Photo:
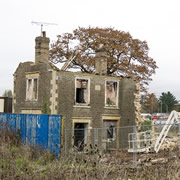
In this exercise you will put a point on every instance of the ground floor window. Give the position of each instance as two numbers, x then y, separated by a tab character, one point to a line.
80	135
110	129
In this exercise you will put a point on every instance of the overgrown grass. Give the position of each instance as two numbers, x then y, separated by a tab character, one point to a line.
18	161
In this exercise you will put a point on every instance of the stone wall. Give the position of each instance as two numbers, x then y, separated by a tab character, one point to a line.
19	102
56	95
96	108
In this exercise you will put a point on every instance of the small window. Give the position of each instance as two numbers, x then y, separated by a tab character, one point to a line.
82	91
111	93
32	89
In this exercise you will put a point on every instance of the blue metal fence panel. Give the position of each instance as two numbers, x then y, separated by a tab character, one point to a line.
22	127
31	129
3	118
18	121
40	130
12	121
54	135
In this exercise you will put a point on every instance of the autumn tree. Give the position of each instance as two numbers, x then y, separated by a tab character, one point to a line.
126	56
150	103
167	102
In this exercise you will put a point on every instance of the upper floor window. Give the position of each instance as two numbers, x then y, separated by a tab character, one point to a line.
82	91
111	93
32	88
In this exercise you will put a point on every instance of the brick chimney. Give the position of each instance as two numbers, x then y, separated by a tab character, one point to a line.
42	48
101	62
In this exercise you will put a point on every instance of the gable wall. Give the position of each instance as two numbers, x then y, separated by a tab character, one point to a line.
20	102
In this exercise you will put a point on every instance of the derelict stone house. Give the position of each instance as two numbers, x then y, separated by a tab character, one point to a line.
85	100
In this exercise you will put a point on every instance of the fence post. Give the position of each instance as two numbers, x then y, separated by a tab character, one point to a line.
134	147
96	136
65	142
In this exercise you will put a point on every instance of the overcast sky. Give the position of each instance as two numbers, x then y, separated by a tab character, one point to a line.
155	21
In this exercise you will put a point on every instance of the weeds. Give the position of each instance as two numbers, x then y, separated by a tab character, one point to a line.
18	161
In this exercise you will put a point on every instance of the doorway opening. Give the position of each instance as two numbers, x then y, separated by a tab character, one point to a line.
80	135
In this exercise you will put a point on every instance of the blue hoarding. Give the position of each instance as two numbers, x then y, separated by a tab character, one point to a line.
38	130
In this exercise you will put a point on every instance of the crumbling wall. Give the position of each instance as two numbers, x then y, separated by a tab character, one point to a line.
126	113
129	108
57	93
137	105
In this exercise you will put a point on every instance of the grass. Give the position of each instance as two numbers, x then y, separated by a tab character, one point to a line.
18	161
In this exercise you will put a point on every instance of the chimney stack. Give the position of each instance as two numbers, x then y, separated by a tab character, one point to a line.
101	62
42	48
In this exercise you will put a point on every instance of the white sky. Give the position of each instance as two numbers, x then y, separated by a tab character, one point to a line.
155	21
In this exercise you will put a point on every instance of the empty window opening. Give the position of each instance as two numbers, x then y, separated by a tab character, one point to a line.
80	135
110	129
32	89
111	93
82	92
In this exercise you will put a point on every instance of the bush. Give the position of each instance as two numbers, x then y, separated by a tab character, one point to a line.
146	125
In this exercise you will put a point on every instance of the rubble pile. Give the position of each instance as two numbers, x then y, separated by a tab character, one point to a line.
170	143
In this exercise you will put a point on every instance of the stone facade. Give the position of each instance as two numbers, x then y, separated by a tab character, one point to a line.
85	100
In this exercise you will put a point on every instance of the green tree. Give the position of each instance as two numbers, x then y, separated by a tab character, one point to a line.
7	93
167	102
125	56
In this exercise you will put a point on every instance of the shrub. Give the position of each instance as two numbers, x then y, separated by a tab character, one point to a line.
146	125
